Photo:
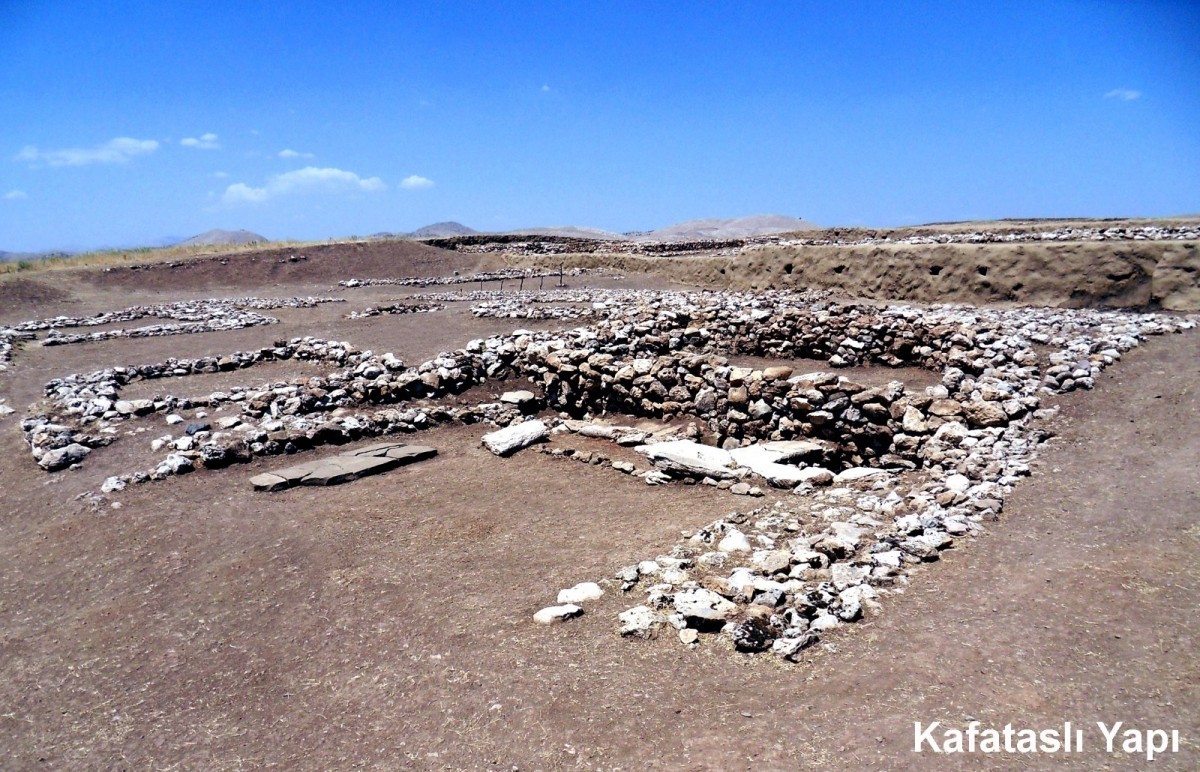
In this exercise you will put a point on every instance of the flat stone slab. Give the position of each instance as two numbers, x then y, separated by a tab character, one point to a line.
405	454
344	467
790	451
692	458
520	397
269	482
773	460
341	469
379	448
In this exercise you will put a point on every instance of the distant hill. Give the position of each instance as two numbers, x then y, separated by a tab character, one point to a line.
441	230
220	238
693	230
736	228
14	256
572	232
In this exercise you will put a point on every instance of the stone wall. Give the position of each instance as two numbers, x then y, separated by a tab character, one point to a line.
653	354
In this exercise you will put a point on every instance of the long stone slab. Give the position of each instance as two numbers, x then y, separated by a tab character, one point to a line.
692	458
344	467
405	454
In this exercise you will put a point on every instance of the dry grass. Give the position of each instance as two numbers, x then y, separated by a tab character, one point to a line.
144	255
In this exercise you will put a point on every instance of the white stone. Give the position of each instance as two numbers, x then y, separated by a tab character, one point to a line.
825	621
555	614
951	432
519	397
790	648
891	558
580	593
859	473
762	462
914	421
844	575
815	475
513	438
958	483
704	604
640	622
692	458
734	541
847	532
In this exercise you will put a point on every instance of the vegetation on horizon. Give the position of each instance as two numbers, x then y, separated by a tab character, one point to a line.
143	255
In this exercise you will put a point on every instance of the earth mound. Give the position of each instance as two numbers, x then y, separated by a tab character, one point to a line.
218	237
738	227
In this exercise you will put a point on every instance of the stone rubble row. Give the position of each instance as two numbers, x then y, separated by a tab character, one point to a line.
86	411
395	309
534	246
183	311
483	276
191	316
776	577
8	343
1148	233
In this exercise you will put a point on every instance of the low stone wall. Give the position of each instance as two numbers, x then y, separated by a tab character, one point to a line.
657	355
508	274
191	316
395	309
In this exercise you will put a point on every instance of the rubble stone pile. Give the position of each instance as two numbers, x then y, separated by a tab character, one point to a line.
526	297
85	410
234	320
1149	233
483	277
190	316
555	245
8	342
395	309
516	310
183	311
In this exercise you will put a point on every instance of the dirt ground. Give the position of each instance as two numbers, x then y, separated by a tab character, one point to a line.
387	623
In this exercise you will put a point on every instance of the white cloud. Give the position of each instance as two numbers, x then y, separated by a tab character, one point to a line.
115	151
289	153
310	179
1124	94
545	87
16	195
220	175
415	181
207	141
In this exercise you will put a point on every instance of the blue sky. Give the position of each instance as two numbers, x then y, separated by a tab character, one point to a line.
122	123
